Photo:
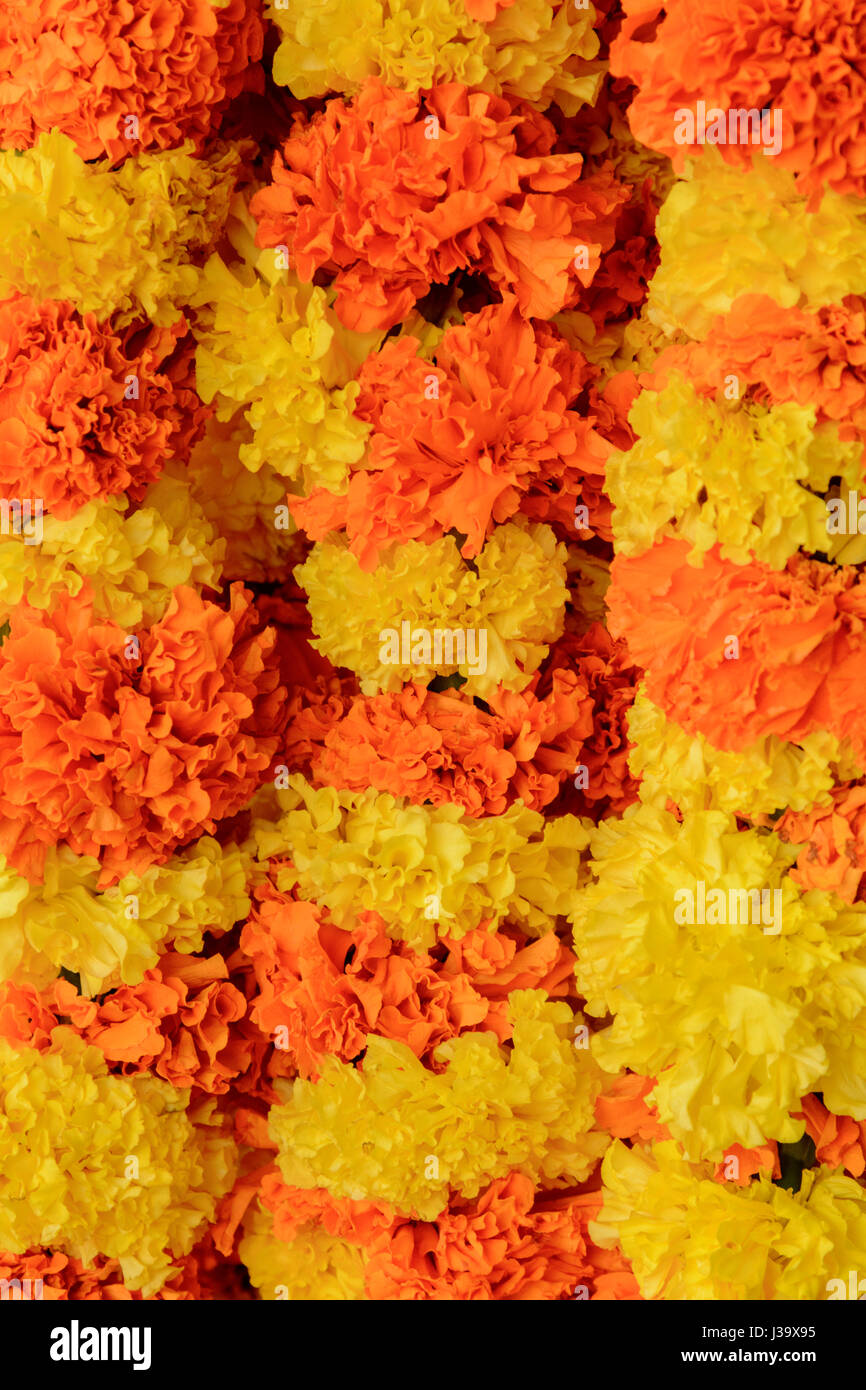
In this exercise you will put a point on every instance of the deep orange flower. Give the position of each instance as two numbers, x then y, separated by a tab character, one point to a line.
126	754
611	674
464	442
391	193
86	68
815	359
801	661
440	747
833	856
839	1141
324	989
748	1162
801	60
624	1112
86	412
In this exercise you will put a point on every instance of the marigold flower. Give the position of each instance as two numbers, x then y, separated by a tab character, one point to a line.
758	54
727	231
512	600
688	1237
130	561
798	659
121	241
485	194
374	1134
135	749
539	50
417	865
86	412
743	476
441	748
742	1021
116	81
839	1141
68	1134
467	440
327	988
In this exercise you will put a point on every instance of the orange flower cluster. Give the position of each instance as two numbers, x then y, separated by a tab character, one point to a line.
117	79
763	54
484	432
123	748
781	354
327	988
511	1242
86	412
459	181
801	662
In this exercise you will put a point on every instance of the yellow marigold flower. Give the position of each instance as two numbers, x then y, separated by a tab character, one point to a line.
275	347
120	241
132	563
726	231
395	1131
247	510
715	471
95	1164
314	1266
539	50
688	1237
747	1015
760	780
115	936
422	865
382	624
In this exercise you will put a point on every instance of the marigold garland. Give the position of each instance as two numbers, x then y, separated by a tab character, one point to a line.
431	604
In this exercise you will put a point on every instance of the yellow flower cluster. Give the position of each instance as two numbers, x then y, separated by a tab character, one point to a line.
398	1132
274	347
119	241
743	475
131	561
761	780
97	1164
115	936
314	1265
539	50
246	510
737	1017
417	866
725	230
688	1237
515	594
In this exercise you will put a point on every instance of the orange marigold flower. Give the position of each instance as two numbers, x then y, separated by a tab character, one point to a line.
117	78
324	989
440	747
739	1165
839	1141
464	441
86	412
292	1207
124	749
509	1243
833	856
801	657
391	193
624	1112
611	675
782	354
780	55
